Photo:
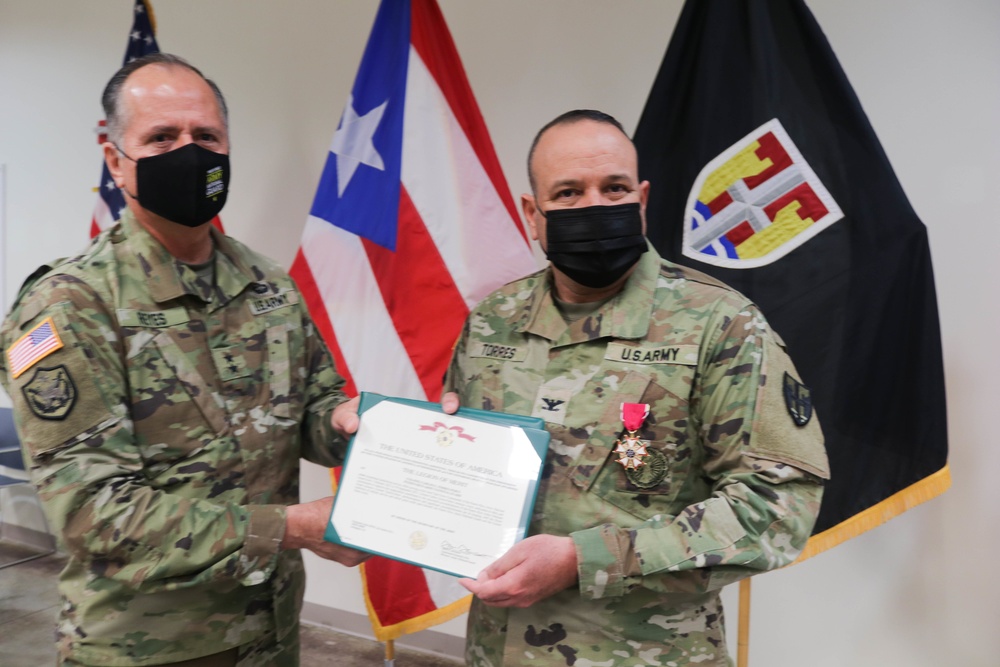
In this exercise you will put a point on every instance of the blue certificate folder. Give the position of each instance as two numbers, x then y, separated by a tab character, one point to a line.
456	559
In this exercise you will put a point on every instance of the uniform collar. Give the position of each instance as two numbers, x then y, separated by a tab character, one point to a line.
626	315
168	278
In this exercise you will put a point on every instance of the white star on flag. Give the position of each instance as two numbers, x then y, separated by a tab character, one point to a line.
352	143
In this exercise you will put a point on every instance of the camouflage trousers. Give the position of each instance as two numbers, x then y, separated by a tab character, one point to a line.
267	652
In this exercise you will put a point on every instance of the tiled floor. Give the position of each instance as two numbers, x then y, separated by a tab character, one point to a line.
29	605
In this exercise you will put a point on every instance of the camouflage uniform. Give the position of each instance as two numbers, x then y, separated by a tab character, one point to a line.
731	486
164	439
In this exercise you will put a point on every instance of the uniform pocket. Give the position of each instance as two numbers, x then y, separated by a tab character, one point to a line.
56	398
668	453
284	343
483	388
172	404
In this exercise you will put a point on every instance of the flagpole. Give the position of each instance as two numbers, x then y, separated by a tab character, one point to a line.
743	633
390	653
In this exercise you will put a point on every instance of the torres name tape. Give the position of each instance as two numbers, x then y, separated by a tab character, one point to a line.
494	351
686	355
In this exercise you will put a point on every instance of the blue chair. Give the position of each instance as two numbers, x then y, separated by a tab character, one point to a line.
13	472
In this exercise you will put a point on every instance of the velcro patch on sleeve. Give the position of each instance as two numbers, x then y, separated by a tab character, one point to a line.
786	428
41	341
59	402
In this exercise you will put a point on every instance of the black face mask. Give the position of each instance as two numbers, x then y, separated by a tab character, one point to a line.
595	245
187	185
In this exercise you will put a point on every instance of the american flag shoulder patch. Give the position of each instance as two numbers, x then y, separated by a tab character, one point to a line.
33	346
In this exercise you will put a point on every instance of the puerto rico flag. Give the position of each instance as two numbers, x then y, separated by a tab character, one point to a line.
412	224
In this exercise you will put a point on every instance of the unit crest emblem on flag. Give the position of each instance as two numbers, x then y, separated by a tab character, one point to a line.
51	393
756	202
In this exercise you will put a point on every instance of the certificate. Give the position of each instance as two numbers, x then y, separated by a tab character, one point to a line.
447	492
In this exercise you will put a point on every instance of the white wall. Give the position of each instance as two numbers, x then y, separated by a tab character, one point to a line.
921	590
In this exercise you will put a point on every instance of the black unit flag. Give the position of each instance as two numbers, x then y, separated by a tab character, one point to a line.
767	175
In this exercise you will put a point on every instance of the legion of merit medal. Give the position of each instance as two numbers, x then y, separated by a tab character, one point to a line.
644	467
630	447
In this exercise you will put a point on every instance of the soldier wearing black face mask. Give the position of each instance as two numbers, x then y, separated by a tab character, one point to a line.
168	151
187	185
682	457
180	381
596	245
587	212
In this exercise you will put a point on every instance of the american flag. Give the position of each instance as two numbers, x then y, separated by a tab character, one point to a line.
33	346
412	224
141	42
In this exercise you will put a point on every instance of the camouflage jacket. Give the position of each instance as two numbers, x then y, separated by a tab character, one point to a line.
730	486
163	427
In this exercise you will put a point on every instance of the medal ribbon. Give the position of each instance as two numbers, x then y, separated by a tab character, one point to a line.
633	415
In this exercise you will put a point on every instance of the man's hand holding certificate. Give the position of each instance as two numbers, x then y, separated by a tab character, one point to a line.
447	492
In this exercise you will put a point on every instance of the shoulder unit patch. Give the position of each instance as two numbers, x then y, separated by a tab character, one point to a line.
51	393
798	400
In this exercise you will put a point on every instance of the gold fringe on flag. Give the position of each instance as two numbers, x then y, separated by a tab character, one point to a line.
920	492
386	633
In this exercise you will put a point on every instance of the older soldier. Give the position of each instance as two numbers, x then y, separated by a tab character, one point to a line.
684	453
165	384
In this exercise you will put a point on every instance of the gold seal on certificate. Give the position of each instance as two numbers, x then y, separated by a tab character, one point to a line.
445	492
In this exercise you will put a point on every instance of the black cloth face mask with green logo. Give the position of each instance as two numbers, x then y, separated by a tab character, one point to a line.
187	185
594	245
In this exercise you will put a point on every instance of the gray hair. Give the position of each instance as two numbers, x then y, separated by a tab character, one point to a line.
111	97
